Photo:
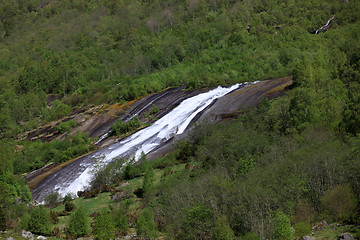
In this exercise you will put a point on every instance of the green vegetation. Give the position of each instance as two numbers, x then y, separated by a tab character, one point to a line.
78	224
121	127
65	126
104	226
39	221
37	154
287	164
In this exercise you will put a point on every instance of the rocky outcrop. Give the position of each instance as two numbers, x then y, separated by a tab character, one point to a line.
308	238
231	105
346	236
25	234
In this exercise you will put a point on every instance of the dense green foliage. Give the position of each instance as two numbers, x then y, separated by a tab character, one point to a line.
121	127
104	226
145	225
37	154
294	158
79	224
39	222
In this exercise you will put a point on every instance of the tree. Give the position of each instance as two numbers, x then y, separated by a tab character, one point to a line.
145	225
339	202
39	222
148	180
104	225
79	224
222	230
282	227
198	222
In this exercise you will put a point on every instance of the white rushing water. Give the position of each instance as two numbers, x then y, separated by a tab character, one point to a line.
145	140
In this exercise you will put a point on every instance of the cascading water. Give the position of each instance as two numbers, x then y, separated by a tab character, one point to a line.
175	122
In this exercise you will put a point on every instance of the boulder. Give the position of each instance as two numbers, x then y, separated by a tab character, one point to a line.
122	195
308	238
41	237
25	234
346	236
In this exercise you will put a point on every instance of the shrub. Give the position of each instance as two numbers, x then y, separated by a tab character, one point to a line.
251	236
52	199
282	227
121	127
39	222
24	221
302	229
222	230
304	212
2	220
54	216
69	206
65	126
198	222
339	202
58	111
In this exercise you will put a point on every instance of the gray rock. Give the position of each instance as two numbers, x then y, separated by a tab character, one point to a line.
41	237
346	236
25	234
308	238
122	195
9	238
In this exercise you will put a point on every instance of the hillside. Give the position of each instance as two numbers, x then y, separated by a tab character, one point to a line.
270	172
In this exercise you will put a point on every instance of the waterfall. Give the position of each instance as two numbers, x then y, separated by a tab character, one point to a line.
77	177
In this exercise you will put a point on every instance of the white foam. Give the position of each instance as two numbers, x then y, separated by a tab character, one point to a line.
175	122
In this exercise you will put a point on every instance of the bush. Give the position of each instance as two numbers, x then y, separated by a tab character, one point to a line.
65	126
2	220
24	221
121	127
52	199
198	222
54	217
282	227
339	202
251	236
39	222
58	111
302	229
69	206
222	230
79	224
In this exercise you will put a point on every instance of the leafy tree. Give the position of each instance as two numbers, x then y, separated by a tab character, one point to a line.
198	222
222	230
104	225
148	180
340	202
39	222
282	227
78	225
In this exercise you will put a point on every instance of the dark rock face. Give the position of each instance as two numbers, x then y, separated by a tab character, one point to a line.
231	105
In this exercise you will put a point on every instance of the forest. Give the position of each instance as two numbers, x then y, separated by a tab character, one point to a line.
273	173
